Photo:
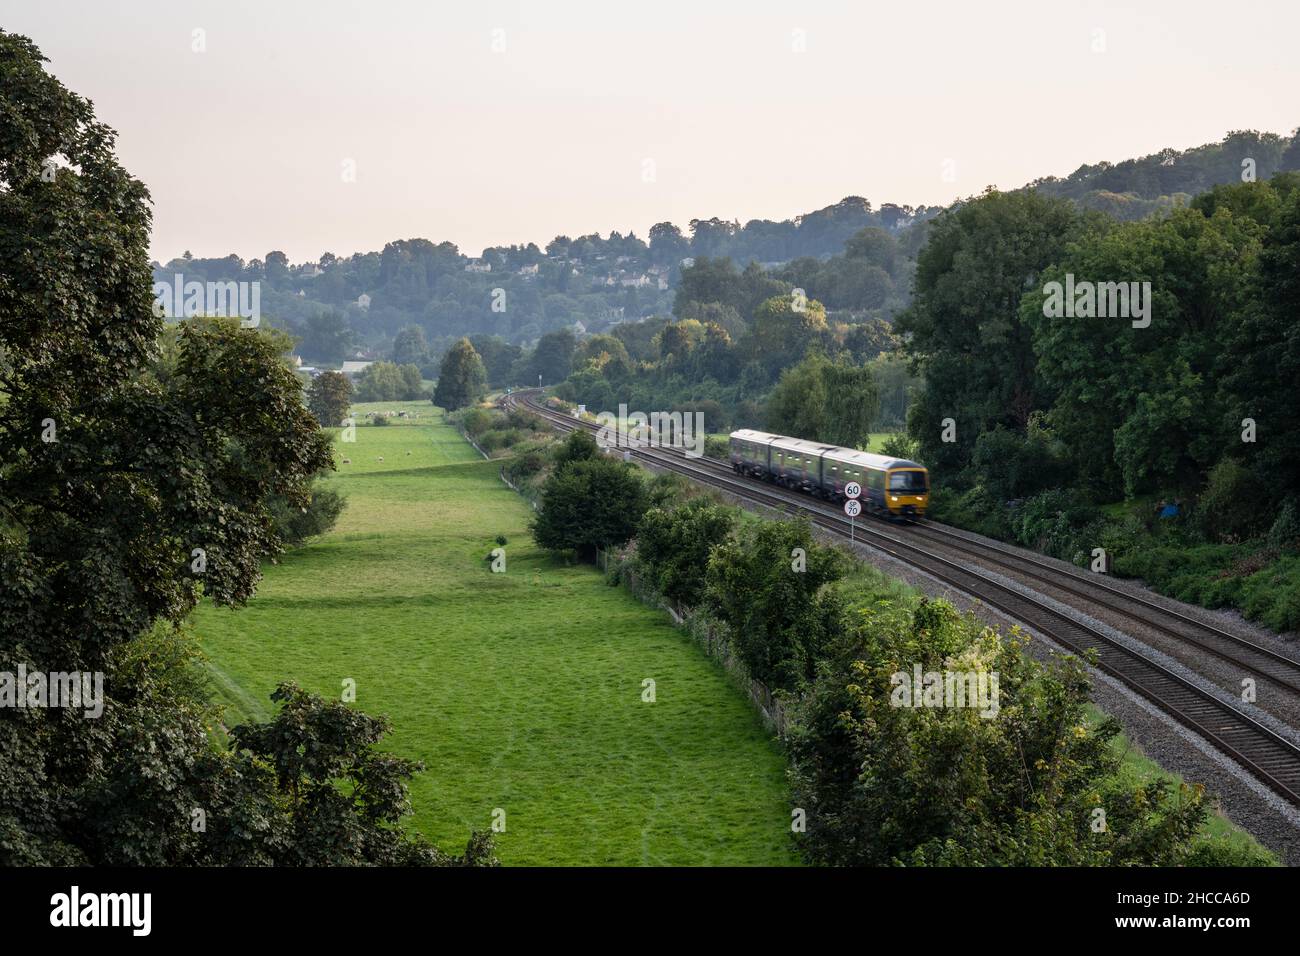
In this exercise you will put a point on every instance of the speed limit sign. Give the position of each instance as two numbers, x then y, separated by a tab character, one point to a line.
853	507
852	490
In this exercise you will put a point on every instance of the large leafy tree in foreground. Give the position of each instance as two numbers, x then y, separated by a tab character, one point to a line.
132	484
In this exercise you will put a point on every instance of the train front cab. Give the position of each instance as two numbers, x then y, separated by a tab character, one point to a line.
907	490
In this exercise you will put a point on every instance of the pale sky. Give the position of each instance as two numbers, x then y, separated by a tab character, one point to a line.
244	144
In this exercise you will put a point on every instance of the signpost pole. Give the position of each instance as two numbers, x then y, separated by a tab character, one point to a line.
851	507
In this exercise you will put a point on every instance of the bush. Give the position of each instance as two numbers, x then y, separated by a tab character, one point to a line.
588	504
579	446
476	421
1218	852
887	782
901	445
1058	523
1230	507
495	439
673	547
525	465
294	525
974	510
1272	595
1284	535
768	588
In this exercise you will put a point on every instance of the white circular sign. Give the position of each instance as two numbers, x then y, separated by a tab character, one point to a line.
853	507
853	490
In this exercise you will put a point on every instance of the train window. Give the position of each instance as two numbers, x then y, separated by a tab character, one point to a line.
910	482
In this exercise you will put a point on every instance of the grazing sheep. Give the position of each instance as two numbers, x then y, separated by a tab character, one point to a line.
347	461
408	452
381	457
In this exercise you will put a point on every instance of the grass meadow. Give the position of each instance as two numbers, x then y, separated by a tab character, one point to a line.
520	691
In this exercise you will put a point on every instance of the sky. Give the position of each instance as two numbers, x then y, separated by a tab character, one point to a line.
339	126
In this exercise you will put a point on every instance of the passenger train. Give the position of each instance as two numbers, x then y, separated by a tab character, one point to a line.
892	486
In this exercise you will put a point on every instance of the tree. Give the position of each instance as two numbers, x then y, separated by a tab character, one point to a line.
461	378
499	357
326	336
553	357
410	347
674	545
873	245
783	329
329	396
579	446
1262	356
606	353
1017	783
589	504
386	382
768	588
293	525
821	400
333	800
667	244
1140	408
130	488
967	334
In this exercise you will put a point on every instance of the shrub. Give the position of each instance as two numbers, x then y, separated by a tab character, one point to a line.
673	547
768	588
589	504
1284	535
476	421
901	445
525	465
579	446
1057	522
1011	465
1230	506
887	783
294	525
1218	852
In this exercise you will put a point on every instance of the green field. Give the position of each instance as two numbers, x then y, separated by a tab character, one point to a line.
520	691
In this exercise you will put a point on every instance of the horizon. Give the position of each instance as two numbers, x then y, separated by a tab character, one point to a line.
460	133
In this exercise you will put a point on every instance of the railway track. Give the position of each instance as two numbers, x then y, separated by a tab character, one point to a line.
1268	756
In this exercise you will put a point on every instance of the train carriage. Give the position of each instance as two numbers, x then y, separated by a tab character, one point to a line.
894	486
751	452
796	463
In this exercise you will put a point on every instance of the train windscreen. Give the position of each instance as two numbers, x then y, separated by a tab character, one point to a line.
907	482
